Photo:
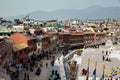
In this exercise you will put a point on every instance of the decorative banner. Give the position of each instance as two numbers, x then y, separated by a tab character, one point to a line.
115	72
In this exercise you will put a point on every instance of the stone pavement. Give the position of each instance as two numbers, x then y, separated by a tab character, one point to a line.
96	55
49	70
44	71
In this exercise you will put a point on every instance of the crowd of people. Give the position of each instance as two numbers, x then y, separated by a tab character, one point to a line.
31	63
105	56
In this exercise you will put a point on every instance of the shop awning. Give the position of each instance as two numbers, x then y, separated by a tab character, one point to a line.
19	46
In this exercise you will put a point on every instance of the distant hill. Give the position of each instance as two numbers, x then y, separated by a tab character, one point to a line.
94	12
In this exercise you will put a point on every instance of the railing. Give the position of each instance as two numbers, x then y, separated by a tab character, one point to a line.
64	69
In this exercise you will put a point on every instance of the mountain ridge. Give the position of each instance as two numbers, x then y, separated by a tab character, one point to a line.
94	12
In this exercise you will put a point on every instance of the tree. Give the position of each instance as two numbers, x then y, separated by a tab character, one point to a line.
106	29
17	21
93	27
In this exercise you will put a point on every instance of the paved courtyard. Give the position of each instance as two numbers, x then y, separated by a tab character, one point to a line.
44	71
95	54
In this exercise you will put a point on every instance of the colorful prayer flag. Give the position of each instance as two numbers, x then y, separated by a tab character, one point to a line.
94	74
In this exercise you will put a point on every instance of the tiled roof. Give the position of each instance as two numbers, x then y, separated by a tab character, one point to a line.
77	33
29	37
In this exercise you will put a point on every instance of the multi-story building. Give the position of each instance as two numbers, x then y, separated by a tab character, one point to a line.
45	42
79	37
5	52
25	38
89	37
100	35
71	38
38	33
23	43
7	31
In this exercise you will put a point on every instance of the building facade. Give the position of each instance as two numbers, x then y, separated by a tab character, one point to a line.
5	52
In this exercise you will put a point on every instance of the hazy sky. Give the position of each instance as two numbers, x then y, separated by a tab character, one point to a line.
17	7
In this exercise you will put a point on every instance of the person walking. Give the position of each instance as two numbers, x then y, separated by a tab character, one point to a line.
38	71
103	58
25	76
46	65
106	52
102	52
41	64
31	66
28	77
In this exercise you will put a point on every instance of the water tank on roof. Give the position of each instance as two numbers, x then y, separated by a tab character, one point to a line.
59	25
